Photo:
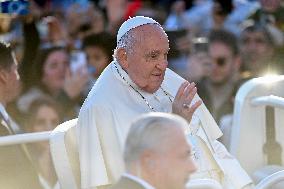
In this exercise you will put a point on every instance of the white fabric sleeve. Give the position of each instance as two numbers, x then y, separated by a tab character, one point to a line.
92	165
234	174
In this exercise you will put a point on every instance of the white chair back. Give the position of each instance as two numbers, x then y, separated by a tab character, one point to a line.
65	156
270	181
249	128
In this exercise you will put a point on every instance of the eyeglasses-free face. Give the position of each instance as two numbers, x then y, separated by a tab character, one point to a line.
254	43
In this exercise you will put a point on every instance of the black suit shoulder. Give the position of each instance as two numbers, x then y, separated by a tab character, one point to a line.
126	183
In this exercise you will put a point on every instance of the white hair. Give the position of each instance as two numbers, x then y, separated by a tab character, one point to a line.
126	41
149	132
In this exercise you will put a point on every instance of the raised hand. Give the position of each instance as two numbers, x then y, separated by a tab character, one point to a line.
182	104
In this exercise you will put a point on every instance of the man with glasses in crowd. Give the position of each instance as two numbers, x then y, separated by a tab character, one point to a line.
219	88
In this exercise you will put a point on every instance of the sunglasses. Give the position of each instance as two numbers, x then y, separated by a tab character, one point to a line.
220	61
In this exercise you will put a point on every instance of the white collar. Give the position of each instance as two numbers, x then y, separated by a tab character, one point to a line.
145	184
129	80
159	95
4	112
171	82
123	74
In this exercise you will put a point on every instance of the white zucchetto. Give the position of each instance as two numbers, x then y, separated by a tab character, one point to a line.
132	23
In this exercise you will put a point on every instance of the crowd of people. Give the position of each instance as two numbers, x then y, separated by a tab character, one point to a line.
62	49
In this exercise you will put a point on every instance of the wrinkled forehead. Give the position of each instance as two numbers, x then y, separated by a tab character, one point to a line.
148	30
150	38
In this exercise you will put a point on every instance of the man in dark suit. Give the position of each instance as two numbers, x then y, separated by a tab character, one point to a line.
16	169
157	154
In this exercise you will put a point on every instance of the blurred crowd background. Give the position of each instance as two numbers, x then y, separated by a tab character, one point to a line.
62	46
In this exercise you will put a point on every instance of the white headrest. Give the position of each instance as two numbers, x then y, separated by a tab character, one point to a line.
132	23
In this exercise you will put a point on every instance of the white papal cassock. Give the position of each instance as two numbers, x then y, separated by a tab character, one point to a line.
105	118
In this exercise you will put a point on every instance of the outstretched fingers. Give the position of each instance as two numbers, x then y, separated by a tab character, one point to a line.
193	108
181	90
182	104
190	93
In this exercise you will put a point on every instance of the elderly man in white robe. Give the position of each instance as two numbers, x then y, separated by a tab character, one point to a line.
136	82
